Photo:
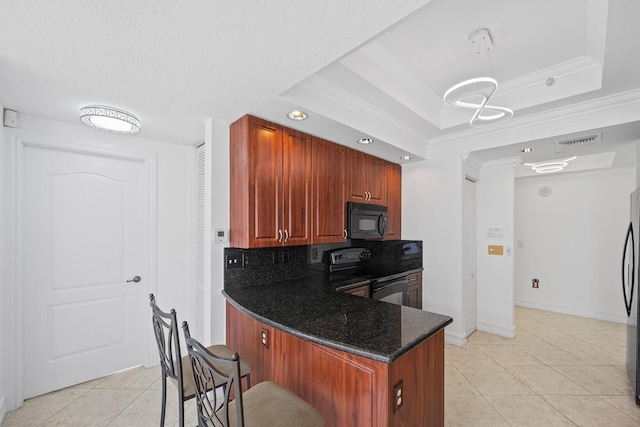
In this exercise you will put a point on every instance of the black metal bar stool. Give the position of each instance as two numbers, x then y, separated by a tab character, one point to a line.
176	367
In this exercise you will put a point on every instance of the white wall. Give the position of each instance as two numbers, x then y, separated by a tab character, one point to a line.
4	269
175	249
432	192
572	241
431	212
217	154
494	209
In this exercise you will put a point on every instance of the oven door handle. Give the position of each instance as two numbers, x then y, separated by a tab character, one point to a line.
404	282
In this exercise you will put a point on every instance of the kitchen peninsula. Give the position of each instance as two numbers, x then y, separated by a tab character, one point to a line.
360	362
337	342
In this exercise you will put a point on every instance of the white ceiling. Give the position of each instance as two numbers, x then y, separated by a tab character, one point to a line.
359	68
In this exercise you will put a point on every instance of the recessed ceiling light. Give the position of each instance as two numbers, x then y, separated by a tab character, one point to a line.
527	150
406	157
297	115
109	119
365	141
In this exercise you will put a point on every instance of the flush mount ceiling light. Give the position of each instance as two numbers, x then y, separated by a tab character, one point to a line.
548	167
476	93
109	119
297	115
365	141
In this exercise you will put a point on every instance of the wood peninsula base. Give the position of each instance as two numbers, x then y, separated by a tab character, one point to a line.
348	389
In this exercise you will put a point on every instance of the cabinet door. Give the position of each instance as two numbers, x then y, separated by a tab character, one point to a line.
255	182
394	201
376	180
328	192
266	163
414	289
296	187
357	169
367	180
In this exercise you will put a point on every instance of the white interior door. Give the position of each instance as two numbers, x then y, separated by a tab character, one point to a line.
83	238
469	256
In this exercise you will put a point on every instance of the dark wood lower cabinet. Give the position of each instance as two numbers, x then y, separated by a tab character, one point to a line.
349	390
414	289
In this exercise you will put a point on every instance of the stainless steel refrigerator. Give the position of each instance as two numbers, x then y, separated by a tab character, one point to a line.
630	291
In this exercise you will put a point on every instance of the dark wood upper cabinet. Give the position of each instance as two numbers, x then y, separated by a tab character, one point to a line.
270	184
366	178
289	188
329	192
296	184
393	174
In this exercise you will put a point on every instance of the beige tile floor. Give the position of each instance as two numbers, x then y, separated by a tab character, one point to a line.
128	398
559	370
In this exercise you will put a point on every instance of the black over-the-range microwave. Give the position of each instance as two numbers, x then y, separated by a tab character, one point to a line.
366	221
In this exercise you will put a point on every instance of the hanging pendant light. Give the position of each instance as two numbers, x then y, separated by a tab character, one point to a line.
475	93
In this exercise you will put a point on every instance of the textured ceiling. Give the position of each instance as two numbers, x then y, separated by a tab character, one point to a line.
360	68
174	63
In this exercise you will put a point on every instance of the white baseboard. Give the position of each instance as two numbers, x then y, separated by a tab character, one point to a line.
492	328
459	340
592	314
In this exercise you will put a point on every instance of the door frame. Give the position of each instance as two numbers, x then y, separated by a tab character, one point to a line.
15	298
469	236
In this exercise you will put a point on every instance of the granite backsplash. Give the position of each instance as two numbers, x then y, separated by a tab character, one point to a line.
251	267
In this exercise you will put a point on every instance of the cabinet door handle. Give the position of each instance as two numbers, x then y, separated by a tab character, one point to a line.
280	235
345	233
286	235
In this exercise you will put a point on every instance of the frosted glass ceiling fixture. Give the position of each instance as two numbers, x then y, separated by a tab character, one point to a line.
475	93
553	166
109	119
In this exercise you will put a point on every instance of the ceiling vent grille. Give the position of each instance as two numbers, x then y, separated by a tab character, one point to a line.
589	139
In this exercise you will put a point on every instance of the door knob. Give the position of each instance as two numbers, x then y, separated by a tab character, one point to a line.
135	279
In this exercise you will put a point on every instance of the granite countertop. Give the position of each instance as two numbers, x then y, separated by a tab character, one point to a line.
310	308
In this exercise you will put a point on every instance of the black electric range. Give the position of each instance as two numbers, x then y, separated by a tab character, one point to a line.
350	267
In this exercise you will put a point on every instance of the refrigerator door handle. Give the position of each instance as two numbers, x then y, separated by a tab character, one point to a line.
628	301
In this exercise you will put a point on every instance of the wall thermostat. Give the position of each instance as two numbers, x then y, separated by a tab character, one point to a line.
220	235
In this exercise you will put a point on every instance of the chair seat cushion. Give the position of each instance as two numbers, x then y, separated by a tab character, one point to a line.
220	350
269	404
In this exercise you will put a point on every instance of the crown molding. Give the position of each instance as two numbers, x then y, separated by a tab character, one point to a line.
617	100
331	94
473	160
571	176
500	163
377	65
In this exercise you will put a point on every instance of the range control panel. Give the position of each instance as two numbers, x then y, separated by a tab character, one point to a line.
349	256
